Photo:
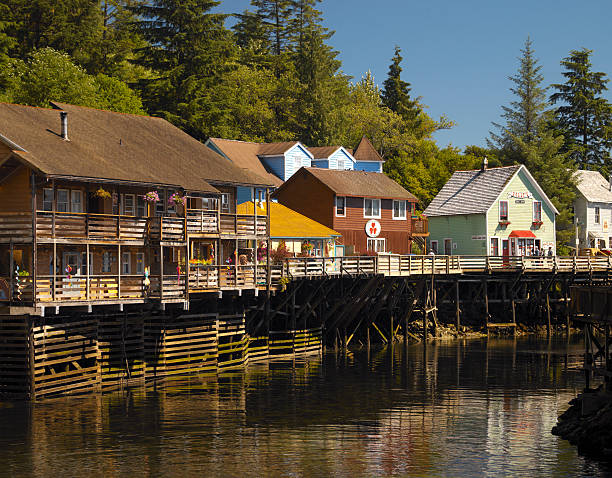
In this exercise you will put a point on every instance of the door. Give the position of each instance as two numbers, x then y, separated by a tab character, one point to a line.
506	251
448	247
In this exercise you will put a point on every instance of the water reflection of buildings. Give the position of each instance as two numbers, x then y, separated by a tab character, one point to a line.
448	410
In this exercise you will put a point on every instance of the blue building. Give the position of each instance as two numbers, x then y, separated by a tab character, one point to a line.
277	162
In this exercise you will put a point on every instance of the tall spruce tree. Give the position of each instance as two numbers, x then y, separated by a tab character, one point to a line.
524	116
323	87
71	26
188	50
275	16
396	92
584	117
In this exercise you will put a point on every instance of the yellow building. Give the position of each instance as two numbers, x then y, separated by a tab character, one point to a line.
300	234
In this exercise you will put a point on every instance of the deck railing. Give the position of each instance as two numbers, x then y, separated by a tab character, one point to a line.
205	278
243	224
64	225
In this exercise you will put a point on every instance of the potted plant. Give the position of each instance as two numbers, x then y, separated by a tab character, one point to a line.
102	193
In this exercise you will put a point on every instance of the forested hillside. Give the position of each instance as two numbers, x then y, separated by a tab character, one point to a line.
271	74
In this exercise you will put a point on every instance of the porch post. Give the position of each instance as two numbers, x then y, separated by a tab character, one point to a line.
161	272
53	284
11	271
236	264
88	271
34	245
269	243
54	209
119	263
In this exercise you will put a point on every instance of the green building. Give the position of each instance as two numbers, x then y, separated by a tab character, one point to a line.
496	212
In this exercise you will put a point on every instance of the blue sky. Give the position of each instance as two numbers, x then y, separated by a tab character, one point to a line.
458	55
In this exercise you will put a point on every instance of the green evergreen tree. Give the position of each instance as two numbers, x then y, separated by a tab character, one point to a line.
524	117
584	117
274	16
188	50
396	92
71	26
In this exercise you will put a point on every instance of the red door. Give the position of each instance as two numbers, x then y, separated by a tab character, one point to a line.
506	251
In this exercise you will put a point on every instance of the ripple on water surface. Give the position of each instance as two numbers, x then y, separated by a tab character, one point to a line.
474	408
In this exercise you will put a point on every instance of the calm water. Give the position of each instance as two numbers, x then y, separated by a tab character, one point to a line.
477	408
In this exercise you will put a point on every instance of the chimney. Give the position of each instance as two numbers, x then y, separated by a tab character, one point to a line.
64	119
485	163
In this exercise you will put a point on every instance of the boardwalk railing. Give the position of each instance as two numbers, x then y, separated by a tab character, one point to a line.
49	289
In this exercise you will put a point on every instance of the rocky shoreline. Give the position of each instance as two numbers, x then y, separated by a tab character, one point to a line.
587	424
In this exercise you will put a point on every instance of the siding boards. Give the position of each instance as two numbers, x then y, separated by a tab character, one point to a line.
15	195
310	198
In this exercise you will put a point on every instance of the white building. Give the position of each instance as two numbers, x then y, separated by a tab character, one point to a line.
593	210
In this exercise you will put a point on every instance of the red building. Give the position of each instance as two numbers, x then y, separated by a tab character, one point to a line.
370	210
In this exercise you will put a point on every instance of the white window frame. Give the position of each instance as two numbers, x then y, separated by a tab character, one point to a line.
125	211
77	265
66	204
400	217
377	244
126	270
87	267
76	206
140	265
47	204
537	219
373	216
344	206
507	218
225	203
432	248
597	217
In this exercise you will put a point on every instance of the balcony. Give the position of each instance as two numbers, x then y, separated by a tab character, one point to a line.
420	226
84	226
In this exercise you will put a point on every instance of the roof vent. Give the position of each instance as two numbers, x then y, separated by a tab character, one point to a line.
64	119
485	163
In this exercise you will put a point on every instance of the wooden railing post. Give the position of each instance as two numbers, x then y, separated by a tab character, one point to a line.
448	264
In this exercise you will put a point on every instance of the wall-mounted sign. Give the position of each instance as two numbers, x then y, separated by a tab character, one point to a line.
519	201
605	226
481	237
521	194
372	228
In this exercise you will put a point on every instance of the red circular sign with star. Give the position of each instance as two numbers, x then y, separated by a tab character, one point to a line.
372	228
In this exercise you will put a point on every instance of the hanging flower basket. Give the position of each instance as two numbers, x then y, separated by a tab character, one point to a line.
176	199
103	194
151	196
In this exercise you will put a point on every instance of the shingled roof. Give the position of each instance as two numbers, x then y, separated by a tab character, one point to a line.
593	186
474	192
287	223
323	152
355	183
246	154
113	146
365	151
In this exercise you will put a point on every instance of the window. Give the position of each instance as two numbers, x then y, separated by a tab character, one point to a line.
448	247
141	206
341	164
376	244
503	210
140	263
371	208
494	246
128	206
225	207
409	208
106	262
537	211
87	267
71	264
340	206
596	215
433	246
76	201
160	206
62	200
602	243
399	209
47	199
126	263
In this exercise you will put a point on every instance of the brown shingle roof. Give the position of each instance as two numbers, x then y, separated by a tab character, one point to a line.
116	146
356	183
245	154
366	152
323	152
